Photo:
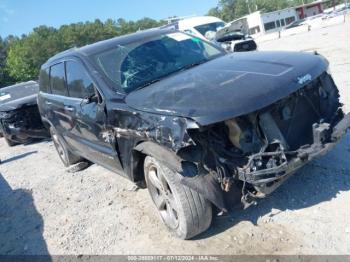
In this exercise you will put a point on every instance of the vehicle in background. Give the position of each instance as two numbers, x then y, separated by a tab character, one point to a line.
193	122
214	29
295	24
20	120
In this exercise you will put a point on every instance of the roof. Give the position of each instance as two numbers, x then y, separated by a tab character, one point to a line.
197	20
106	44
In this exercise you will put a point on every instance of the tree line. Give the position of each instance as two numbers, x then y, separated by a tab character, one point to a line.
21	57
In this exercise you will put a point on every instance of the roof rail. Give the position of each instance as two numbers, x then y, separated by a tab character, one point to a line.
62	53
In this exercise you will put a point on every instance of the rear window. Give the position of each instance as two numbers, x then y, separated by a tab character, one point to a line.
44	82
58	80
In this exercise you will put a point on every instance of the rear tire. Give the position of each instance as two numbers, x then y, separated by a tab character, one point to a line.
184	211
65	155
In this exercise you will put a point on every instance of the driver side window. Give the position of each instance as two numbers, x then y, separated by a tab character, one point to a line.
79	82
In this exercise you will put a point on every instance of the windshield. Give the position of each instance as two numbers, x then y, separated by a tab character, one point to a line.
203	29
138	64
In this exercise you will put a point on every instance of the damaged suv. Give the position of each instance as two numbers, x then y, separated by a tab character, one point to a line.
191	120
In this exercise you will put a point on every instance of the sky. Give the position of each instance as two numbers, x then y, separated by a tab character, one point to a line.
19	17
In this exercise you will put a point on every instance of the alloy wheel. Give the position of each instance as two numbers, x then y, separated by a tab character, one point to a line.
162	196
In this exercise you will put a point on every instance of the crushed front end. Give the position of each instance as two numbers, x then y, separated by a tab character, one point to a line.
22	125
258	151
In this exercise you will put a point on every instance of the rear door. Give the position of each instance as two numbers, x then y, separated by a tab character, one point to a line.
61	120
85	106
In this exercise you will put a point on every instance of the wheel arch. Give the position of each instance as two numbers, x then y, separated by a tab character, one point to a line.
149	148
204	184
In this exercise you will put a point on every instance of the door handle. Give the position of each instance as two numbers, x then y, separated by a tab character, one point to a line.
48	103
69	108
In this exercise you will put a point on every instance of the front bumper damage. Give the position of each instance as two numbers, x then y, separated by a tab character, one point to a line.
22	125
22	134
255	153
268	178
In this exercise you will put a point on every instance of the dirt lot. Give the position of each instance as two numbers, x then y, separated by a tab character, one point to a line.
44	209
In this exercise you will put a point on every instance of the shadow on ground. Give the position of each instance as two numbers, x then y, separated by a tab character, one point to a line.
319	181
4	161
21	226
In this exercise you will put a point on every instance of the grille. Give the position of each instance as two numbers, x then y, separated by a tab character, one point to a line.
315	103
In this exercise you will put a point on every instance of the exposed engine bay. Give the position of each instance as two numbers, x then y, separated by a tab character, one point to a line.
22	125
236	42
261	149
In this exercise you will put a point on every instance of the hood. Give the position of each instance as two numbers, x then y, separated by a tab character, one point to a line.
18	103
17	96
229	86
230	32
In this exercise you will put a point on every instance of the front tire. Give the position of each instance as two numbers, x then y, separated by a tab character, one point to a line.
184	211
9	142
65	155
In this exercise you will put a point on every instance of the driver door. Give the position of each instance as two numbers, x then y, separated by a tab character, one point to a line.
86	108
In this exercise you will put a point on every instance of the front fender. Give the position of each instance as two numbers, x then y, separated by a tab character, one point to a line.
169	158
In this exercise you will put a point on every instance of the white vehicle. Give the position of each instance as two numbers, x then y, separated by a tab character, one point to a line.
214	29
200	26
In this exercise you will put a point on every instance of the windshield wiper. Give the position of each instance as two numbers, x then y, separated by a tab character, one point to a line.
194	64
148	83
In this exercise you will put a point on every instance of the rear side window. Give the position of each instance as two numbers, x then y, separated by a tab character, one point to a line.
79	82
44	82
58	80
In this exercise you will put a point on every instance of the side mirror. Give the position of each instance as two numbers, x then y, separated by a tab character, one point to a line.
93	98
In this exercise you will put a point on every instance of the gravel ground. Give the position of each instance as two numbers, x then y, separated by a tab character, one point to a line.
44	209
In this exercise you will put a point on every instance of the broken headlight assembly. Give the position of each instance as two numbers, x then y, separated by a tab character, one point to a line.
263	148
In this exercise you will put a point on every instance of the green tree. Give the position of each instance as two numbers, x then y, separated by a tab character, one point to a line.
227	9
5	78
2	62
242	7
215	11
27	54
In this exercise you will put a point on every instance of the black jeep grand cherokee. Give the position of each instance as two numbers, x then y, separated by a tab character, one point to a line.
189	119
